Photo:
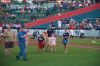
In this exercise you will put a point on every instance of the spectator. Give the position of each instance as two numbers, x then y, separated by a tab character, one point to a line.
81	33
59	23
97	25
53	25
1	26
19	25
9	38
71	27
88	25
67	23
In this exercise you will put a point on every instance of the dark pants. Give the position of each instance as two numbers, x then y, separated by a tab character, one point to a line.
9	44
81	35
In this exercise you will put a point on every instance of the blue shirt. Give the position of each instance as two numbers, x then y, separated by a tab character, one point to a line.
20	36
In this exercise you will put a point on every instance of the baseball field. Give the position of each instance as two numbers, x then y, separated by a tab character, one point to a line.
81	52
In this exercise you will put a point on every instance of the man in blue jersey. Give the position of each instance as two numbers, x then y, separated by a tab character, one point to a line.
21	44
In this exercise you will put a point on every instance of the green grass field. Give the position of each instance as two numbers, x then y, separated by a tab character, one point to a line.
75	57
85	41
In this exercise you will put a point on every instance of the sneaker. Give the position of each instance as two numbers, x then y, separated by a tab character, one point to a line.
17	58
26	53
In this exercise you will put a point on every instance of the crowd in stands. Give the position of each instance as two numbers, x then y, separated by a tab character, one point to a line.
40	9
73	24
64	23
15	13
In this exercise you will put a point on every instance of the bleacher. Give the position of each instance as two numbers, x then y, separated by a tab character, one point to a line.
90	15
42	11
39	13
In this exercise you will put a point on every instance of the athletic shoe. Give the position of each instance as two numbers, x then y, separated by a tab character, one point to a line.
17	58
25	59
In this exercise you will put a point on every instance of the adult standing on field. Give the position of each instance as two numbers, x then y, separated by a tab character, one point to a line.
21	44
9	38
50	31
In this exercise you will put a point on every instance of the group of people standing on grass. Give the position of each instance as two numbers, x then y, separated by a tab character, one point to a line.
46	39
49	41
10	38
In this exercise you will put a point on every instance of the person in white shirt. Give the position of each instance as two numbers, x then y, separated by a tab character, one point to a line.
59	24
53	43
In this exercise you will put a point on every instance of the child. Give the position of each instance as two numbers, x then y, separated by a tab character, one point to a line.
27	38
53	42
40	44
65	40
45	38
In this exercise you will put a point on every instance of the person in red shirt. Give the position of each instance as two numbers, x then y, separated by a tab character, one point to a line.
81	30
1	29
81	26
40	43
71	27
25	1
